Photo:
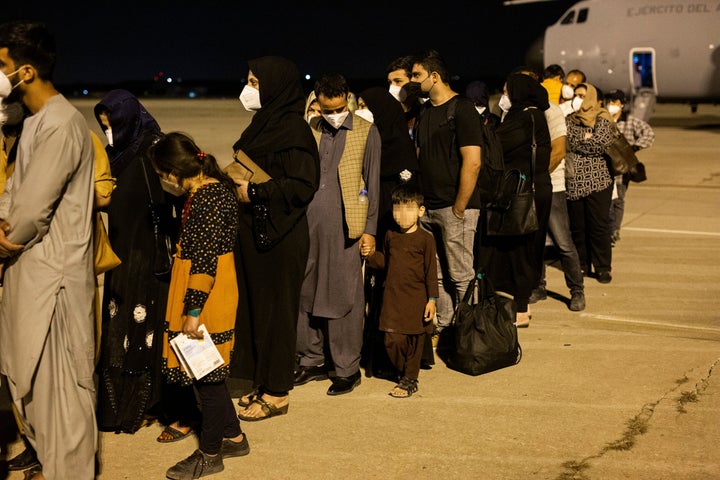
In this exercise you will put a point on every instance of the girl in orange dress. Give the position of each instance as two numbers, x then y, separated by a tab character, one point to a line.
203	291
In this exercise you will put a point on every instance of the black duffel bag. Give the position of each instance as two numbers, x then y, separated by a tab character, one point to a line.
482	336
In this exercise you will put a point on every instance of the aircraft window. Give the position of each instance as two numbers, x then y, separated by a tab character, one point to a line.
569	18
582	15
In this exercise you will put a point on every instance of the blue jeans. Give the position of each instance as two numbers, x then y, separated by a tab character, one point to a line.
617	209
559	231
455	240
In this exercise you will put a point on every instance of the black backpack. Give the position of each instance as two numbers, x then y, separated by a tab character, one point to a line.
492	167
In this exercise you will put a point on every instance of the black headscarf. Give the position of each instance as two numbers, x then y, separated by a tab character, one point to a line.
524	91
279	123
477	91
398	151
130	124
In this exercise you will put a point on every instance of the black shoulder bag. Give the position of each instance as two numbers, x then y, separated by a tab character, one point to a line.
514	212
163	258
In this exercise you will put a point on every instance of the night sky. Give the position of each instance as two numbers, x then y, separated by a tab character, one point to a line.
111	42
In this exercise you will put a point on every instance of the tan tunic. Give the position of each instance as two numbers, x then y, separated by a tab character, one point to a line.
50	212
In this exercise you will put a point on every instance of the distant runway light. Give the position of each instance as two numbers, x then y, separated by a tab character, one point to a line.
192	95
85	91
307	76
169	80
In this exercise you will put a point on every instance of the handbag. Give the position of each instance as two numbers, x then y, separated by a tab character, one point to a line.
637	173
163	257
621	153
482	336
514	212
105	258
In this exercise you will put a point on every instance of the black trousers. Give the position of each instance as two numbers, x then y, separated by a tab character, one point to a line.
589	220
218	416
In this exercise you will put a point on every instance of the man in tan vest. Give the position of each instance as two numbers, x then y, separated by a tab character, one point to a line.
342	218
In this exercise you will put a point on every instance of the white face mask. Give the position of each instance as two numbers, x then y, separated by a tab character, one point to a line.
11	113
480	110
172	188
577	103
336	119
366	114
398	92
614	109
108	134
505	103
5	86
567	92
250	98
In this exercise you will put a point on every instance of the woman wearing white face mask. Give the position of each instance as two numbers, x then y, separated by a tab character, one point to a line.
273	239
640	135
134	298
589	132
11	117
312	107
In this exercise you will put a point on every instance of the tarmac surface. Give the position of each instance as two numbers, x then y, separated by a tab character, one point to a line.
629	388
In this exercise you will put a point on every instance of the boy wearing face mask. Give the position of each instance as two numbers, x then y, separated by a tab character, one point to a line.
399	72
342	217
640	135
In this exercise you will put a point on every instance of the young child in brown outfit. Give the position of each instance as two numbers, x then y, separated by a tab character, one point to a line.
411	287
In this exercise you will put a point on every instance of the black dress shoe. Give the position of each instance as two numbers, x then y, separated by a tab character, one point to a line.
604	277
342	385
24	460
304	375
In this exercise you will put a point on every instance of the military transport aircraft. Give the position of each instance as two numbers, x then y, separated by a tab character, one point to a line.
666	48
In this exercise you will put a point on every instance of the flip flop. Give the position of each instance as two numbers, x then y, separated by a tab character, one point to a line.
268	409
175	434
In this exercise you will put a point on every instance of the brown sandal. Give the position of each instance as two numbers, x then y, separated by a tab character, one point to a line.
175	434
268	409
406	386
248	398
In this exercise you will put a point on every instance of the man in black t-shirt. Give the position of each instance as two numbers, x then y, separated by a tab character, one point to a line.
449	159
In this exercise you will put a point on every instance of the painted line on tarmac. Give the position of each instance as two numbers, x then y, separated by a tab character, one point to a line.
612	318
680	232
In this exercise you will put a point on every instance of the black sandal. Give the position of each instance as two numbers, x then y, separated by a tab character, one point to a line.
406	384
175	434
268	409
251	396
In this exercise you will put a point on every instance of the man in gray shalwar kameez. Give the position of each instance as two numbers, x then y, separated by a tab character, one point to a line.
46	314
342	217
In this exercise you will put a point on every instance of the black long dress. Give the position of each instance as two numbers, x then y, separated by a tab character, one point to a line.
134	299
514	262
273	239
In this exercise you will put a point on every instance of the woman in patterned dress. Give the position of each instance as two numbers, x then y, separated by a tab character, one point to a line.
589	132
203	291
